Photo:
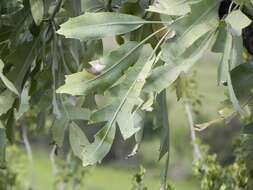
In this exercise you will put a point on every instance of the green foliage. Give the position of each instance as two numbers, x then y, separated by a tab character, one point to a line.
217	177
69	174
138	180
43	42
92	26
12	177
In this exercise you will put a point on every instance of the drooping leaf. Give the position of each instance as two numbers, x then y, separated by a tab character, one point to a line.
92	5
163	76
2	147
225	61
181	86
58	130
22	59
242	81
24	103
139	120
202	20
83	83
228	59
37	9
121	107
170	7
90	26
94	152
237	20
6	101
220	42
10	126
77	113
77	140
6	81
69	113
162	121
127	96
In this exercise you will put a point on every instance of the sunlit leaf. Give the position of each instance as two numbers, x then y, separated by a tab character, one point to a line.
6	81
58	130
24	103
118	61
90	26
170	7
202	20
163	76
3	144
121	107
37	9
237	20
6	101
77	140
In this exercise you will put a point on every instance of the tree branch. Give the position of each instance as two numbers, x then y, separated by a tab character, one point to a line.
196	149
27	143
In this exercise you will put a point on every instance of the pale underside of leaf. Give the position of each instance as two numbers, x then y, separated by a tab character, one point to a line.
119	109
90	26
237	20
6	81
37	9
83	82
6	101
2	146
202	19
170	7
163	76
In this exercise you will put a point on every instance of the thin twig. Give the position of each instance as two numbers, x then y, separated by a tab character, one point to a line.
52	159
27	143
165	120
196	149
29	152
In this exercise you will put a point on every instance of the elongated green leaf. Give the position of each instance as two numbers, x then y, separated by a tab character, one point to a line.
219	44
24	103
58	130
163	76
95	152
2	147
90	26
127	96
77	140
21	59
224	64
202	19
242	81
83	82
69	113
229	58
77	113
37	9
170	7
121	107
163	122
6	101
6	81
10	126
237	20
